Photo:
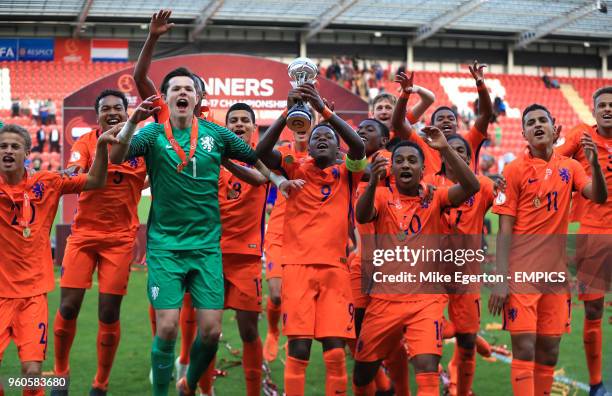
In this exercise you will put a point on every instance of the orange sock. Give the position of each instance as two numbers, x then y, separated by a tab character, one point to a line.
366	390
543	379
63	335
592	349
397	364
109	335
152	319
448	329
274	312
207	379
336	378
188	328
522	373
466	365
295	376
428	384
252	358
382	381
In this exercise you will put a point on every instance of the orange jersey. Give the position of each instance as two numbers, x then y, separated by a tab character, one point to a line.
467	218
243	214
277	217
592	215
538	193
433	160
318	217
26	267
113	209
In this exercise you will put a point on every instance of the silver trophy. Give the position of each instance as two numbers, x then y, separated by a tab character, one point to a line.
301	71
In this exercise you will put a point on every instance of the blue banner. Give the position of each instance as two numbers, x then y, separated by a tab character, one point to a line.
8	49
36	49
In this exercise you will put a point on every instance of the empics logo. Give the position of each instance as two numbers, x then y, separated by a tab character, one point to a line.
154	292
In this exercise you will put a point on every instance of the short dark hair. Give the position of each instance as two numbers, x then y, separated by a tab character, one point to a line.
111	92
21	131
405	143
178	72
534	107
601	91
327	125
384	131
433	115
468	149
240	106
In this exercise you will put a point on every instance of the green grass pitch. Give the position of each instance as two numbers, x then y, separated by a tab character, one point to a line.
130	375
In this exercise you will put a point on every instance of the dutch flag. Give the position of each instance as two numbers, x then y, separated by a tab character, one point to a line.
109	50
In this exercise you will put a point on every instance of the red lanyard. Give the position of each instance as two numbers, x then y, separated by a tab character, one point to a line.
26	209
177	148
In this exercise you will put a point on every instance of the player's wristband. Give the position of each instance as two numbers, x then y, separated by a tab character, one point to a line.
327	113
480	86
126	133
356	165
276	179
404	95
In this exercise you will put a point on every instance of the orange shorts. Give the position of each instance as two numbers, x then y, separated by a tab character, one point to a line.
113	257
545	314
24	320
272	249
464	312
389	324
360	299
593	257
242	274
317	302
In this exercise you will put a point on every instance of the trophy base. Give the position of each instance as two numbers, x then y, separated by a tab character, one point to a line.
299	121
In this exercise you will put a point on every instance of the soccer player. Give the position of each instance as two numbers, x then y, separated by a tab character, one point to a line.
273	241
416	318
103	235
316	281
596	251
464	305
535	205
28	203
383	105
445	119
183	157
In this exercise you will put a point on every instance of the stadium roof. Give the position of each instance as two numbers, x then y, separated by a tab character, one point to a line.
528	19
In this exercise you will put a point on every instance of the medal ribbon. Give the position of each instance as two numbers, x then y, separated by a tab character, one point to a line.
193	141
544	184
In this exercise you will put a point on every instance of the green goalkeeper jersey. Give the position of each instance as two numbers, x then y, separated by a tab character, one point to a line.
185	206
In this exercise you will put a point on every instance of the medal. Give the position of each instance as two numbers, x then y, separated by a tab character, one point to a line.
27	232
401	236
536	202
177	148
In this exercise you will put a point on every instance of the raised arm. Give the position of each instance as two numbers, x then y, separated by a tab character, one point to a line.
596	190
96	177
485	107
351	138
426	99
120	150
157	27
364	210
399	122
468	183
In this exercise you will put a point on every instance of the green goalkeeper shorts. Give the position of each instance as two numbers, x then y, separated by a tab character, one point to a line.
171	273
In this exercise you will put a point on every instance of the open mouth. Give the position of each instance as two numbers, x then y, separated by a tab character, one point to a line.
182	103
539	133
113	121
322	146
239	132
7	159
301	133
406	175
607	116
446	128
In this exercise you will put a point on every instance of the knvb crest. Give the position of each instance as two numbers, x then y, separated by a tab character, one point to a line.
565	175
512	314
38	189
207	143
133	162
